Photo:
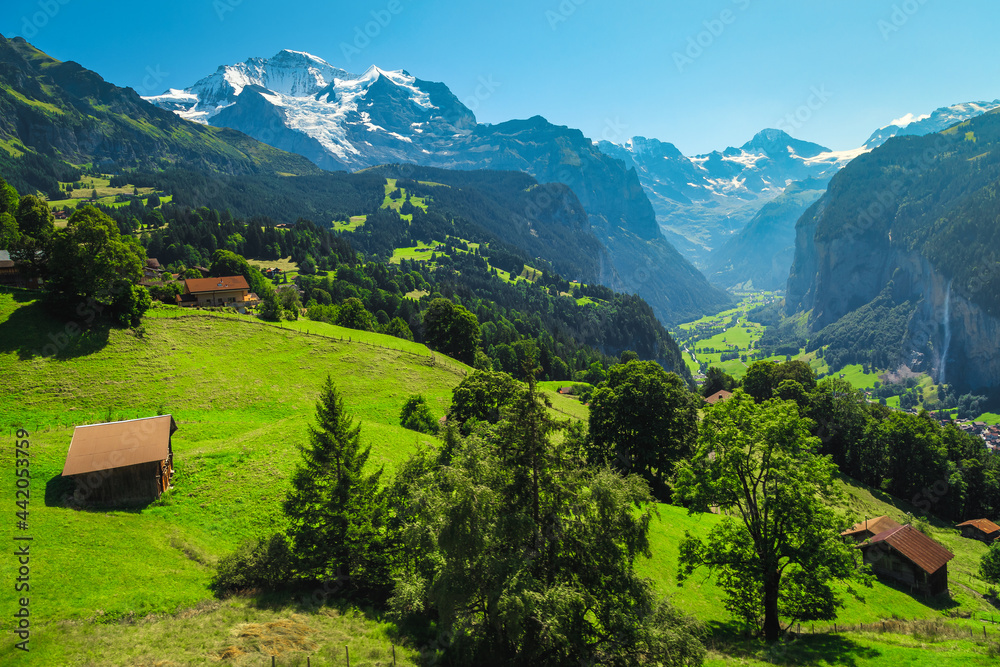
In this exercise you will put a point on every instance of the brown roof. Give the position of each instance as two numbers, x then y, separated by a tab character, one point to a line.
119	444
879	524
720	395
195	285
984	525
921	550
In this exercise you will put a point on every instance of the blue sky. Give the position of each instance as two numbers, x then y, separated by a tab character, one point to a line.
702	75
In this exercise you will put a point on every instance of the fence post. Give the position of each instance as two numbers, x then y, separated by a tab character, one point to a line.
347	652
394	652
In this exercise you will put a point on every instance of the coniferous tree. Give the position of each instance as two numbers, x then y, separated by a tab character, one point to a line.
335	506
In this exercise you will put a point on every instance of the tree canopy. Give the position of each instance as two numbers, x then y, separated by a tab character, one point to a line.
92	261
779	547
526	556
452	330
643	420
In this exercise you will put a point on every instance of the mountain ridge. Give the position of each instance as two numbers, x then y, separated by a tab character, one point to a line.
384	117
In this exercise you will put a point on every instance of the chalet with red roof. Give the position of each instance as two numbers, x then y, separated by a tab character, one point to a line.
226	291
869	528
983	530
719	396
909	557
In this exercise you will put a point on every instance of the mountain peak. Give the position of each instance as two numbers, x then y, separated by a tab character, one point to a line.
778	142
939	119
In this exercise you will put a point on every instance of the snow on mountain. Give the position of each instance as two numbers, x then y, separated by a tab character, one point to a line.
340	118
937	120
703	200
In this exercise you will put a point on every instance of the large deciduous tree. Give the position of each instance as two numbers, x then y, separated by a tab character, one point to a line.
481	396
526	556
335	507
643	420
91	260
452	330
779	548
31	246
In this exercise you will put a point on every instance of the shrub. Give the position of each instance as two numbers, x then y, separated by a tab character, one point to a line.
264	564
416	415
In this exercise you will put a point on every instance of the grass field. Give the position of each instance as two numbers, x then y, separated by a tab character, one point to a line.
119	587
714	332
105	193
242	394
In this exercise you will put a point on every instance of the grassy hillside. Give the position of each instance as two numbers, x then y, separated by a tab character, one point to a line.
242	395
114	588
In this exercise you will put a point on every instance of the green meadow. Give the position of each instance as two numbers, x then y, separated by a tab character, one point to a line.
132	586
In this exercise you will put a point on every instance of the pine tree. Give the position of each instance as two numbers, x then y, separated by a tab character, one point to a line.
336	508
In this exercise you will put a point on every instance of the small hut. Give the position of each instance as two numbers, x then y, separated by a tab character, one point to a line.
719	396
983	530
868	528
126	462
909	557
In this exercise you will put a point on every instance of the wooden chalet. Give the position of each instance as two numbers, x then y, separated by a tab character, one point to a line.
983	530
869	528
225	291
121	463
719	396
906	555
11	276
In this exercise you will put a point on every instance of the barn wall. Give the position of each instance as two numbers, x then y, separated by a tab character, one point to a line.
121	486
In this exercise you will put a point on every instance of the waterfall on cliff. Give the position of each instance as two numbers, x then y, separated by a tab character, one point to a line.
947	335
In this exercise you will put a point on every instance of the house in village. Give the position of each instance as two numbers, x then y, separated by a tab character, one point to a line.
869	528
152	272
11	276
907	556
721	395
983	530
121	463
226	291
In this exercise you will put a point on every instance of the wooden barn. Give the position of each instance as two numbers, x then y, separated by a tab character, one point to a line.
868	528
121	463
983	530
909	557
721	395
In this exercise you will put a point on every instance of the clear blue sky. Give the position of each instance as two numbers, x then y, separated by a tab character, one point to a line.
610	68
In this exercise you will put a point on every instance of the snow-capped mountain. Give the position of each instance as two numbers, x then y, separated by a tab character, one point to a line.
302	104
937	120
701	202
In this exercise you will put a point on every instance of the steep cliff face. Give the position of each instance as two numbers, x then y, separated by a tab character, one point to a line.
918	215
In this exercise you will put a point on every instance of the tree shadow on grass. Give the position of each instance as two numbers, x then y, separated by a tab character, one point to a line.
312	598
793	649
39	329
942	602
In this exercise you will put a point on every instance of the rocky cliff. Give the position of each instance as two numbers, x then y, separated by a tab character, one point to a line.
918	215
